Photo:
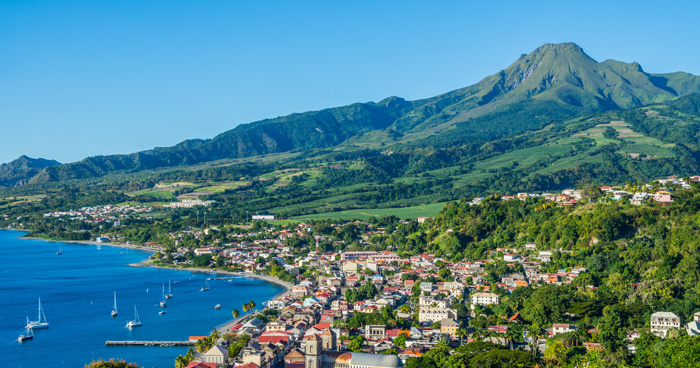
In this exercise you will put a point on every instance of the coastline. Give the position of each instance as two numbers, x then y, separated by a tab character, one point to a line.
224	327
86	242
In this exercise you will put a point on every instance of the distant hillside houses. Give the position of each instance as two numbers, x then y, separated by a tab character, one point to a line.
188	203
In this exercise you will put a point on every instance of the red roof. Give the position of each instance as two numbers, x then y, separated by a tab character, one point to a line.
273	339
203	365
322	326
249	365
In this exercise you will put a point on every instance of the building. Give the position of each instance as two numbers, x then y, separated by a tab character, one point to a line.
375	332
263	217
560	328
485	298
349	256
432	315
217	354
661	322
342	359
693	328
449	326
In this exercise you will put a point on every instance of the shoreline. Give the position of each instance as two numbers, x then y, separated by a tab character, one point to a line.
224	327
86	242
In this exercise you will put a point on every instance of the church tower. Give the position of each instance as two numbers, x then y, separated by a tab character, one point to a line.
313	351
328	339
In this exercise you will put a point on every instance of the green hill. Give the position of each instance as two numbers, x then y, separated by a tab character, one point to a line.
551	84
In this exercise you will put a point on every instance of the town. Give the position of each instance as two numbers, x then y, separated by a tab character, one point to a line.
356	300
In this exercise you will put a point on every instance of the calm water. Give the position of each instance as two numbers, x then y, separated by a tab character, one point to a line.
76	291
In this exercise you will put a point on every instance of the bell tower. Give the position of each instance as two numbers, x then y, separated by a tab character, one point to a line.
313	351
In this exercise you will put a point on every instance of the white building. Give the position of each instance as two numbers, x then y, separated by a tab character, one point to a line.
693	328
485	298
432	315
217	355
263	217
560	328
661	322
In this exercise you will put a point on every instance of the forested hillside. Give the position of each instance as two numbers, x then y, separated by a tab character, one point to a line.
550	86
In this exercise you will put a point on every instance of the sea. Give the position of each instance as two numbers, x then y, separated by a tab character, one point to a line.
77	294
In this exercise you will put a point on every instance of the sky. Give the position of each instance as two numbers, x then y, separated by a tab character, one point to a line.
86	78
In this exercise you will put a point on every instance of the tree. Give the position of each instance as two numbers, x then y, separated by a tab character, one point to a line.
610	133
355	344
612	332
400	340
215	335
235	313
461	333
555	351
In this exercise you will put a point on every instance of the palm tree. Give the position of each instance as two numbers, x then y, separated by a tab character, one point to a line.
511	335
235	313
461	333
442	344
245	307
215	335
181	361
252	304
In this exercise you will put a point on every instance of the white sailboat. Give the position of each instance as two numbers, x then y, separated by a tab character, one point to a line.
170	293
206	286
136	322
27	335
60	251
114	310
163	304
41	322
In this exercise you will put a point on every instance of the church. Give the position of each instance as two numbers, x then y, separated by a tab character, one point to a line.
319	353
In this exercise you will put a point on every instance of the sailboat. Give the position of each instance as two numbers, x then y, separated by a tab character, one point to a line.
60	251
136	322
206	286
41	322
163	304
170	293
27	335
114	310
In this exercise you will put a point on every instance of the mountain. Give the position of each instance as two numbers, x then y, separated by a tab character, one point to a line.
553	83
19	171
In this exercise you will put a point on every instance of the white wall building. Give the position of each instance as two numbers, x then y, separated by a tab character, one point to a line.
661	322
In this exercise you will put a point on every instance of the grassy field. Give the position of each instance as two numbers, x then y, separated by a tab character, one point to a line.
363	214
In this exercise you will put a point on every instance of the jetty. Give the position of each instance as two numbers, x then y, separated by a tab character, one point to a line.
149	343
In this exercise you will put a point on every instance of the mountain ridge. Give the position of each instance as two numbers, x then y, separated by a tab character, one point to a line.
552	83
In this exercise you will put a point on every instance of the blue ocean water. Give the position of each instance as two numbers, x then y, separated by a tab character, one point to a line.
76	290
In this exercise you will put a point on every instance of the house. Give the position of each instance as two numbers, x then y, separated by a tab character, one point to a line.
560	328
201	365
530	246
663	196
432	315
426	287
661	322
485	298
511	257
217	354
693	328
449	326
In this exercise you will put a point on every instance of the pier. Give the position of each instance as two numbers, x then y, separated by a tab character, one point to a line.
149	343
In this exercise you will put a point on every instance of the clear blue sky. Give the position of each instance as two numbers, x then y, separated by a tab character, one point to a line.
83	78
